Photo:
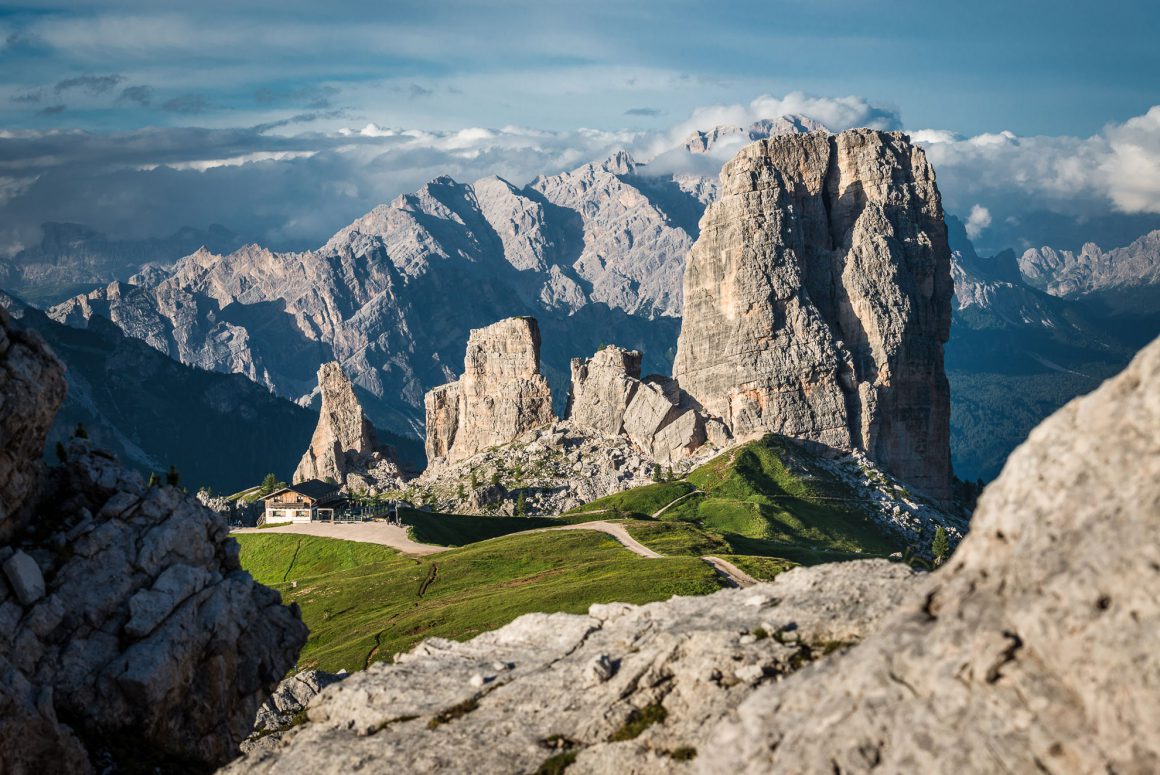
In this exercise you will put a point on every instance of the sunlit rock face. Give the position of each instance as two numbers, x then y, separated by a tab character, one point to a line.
817	300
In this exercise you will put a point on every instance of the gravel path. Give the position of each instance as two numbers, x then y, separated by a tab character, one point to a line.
731	572
364	532
616	531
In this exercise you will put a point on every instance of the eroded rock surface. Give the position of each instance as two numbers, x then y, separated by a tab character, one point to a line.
344	446
817	300
608	397
126	620
501	394
594	685
1032	651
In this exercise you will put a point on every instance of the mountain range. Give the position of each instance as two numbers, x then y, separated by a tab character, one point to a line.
596	254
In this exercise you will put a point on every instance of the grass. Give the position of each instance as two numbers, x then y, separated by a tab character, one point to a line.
646	500
461	529
770	498
362	603
638	721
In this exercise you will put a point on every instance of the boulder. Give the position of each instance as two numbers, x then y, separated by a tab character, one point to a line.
1032	650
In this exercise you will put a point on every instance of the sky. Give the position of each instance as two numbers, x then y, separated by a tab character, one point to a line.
285	120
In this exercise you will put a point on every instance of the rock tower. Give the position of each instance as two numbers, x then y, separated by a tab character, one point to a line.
817	300
500	395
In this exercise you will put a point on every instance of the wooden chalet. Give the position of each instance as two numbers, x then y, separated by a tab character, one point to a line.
308	501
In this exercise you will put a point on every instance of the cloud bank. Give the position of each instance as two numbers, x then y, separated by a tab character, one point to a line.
290	187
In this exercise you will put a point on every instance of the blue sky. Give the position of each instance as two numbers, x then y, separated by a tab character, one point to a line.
285	120
1061	67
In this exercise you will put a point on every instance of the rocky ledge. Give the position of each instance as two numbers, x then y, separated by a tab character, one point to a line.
622	689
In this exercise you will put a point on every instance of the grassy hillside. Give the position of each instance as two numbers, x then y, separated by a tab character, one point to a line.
364	602
768	498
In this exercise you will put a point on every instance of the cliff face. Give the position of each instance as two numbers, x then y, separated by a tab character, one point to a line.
500	395
344	446
817	300
126	620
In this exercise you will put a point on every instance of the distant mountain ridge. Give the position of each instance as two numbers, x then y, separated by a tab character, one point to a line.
1132	270
70	257
594	253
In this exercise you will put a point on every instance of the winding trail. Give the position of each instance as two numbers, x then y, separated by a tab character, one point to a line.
617	531
363	532
731	572
396	537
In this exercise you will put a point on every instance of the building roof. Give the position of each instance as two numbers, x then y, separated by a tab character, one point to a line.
315	489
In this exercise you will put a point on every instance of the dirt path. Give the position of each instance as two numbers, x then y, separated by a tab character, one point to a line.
616	531
674	502
363	532
731	572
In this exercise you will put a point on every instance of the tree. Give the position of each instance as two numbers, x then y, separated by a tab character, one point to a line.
461	493
656	472
172	478
940	547
269	484
79	432
521	506
495	478
669	474
154	479
61	453
474	480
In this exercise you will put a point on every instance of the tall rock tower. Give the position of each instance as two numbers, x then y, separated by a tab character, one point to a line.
500	395
345	447
817	300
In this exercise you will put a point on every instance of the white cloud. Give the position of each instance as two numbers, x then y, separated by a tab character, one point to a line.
977	221
837	113
1132	169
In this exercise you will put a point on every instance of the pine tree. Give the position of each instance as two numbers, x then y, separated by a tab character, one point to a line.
656	472
521	506
61	453
269	484
940	546
669	474
172	478
79	432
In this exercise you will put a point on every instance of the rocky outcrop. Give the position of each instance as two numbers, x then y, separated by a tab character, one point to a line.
127	625
501	394
344	447
608	397
817	300
1032	650
621	689
32	387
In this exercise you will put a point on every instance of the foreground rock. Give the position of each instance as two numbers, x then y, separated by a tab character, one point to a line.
500	395
1033	651
128	630
623	689
817	300
344	447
